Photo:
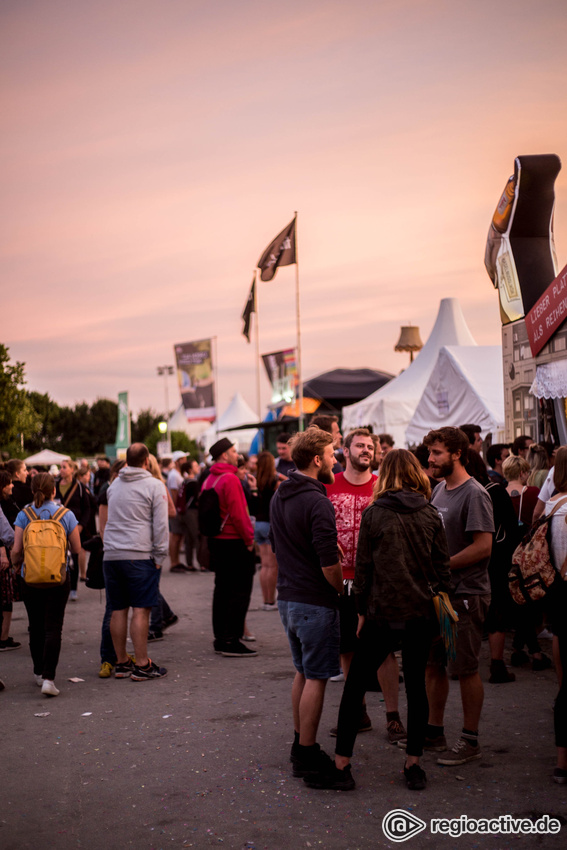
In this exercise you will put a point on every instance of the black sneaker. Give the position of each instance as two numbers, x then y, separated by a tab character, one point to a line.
171	621
9	643
499	673
150	671
154	635
333	780
519	658
543	663
237	650
124	671
415	777
315	762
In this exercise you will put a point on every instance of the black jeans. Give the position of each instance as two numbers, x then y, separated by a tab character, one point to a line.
233	566
46	611
374	645
556	606
160	613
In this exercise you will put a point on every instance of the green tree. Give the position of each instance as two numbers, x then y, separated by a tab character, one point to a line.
145	424
18	420
48	413
180	442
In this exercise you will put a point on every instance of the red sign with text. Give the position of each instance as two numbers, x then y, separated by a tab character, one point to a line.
548	313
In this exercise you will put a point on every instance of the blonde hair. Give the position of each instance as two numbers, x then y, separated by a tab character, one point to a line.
513	467
154	469
400	470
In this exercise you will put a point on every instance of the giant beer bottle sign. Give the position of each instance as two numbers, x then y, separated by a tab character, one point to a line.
520	253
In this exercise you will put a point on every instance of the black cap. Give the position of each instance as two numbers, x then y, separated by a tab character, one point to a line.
219	447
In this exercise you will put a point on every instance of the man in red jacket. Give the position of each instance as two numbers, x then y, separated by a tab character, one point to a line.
232	553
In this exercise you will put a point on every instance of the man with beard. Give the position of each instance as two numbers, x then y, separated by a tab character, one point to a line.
350	494
304	538
466	511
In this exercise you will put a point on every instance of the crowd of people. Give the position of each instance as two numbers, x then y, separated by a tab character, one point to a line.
352	539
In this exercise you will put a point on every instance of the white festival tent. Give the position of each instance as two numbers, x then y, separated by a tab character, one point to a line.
46	458
466	385
237	413
390	409
192	427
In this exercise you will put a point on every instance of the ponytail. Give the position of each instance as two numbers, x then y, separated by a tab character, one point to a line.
42	486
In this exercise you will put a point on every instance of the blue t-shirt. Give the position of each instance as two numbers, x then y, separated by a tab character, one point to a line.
68	521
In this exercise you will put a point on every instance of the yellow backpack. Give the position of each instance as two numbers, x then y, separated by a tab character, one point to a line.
45	550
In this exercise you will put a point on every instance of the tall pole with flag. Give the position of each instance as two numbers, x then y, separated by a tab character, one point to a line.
282	251
252	307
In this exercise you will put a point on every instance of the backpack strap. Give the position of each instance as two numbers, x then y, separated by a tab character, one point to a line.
70	493
556	507
59	513
30	513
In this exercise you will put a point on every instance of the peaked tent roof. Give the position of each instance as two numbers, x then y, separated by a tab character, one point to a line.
466	385
390	409
237	413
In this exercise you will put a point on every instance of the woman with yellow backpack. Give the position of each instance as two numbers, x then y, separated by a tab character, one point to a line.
42	534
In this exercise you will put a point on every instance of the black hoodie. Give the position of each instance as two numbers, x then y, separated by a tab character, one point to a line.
303	532
401	548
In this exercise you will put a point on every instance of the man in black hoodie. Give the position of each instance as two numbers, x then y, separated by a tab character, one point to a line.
304	537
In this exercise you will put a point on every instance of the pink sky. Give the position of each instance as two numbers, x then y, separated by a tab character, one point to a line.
152	150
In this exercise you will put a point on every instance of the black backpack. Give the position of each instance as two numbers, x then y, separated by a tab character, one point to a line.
210	521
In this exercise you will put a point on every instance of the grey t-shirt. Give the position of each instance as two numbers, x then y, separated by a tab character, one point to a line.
464	510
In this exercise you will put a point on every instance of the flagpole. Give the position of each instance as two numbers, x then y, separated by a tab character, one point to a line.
216	374
257	352
298	321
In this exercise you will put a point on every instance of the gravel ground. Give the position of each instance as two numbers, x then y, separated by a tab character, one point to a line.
200	758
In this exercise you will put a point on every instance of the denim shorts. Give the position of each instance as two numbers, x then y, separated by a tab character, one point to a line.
314	636
131	584
261	532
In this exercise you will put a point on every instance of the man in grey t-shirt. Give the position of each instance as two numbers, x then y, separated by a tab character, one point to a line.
466	510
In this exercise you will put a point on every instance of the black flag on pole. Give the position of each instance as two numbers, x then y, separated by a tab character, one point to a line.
280	252
249	309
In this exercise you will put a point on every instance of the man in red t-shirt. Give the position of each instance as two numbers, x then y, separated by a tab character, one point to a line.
350	495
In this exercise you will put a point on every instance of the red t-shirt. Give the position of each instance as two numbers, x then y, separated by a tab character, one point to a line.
349	500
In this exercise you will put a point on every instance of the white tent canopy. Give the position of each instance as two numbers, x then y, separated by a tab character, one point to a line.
466	385
192	427
237	413
390	409
46	458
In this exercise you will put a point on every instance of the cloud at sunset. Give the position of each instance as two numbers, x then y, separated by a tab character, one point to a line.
152	151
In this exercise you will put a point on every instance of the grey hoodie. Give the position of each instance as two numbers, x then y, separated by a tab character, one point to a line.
137	526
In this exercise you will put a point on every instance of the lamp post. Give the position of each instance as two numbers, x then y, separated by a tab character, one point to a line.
409	340
165	371
163	448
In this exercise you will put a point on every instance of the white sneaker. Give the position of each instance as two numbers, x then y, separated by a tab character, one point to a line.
339	678
48	688
73	595
38	680
270	606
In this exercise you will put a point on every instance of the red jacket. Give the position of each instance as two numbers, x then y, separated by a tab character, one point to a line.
232	503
